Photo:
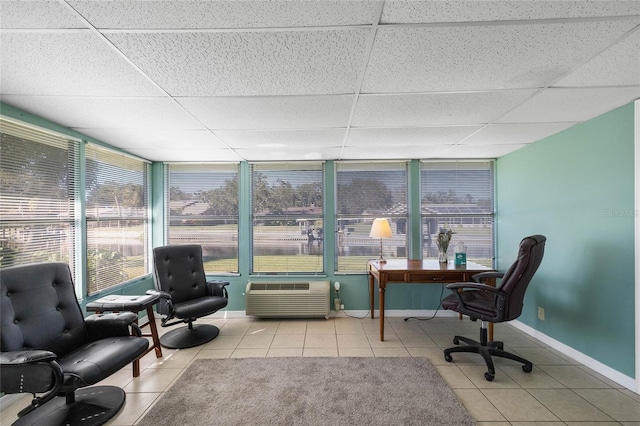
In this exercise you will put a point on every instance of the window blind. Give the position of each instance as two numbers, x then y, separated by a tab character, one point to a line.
39	180
202	208
365	191
458	195
117	214
287	218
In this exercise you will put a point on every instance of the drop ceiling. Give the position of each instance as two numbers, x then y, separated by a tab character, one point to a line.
194	81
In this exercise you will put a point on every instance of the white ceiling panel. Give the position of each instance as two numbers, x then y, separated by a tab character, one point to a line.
288	154
515	134
480	151
395	138
249	63
38	14
484	57
157	138
69	63
404	153
117	113
435	109
562	105
283	139
187	155
225	14
414	11
289	80
618	65
286	112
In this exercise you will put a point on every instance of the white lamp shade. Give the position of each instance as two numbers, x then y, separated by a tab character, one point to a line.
380	229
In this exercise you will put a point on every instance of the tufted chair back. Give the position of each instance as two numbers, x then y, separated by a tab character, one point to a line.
179	271
39	309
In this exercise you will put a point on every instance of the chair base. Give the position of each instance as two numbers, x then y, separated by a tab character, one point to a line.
487	350
189	336
92	406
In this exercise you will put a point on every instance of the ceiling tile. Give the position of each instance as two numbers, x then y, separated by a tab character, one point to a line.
38	14
515	134
70	63
286	112
225	14
412	136
156	138
397	153
618	65
185	155
402	11
481	151
563	105
249	63
282	139
435	109
288	154
119	113
483	57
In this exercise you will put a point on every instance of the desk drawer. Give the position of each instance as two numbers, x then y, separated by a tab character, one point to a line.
435	277
400	277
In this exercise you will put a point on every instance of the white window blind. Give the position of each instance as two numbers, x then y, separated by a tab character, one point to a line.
117	213
287	227
458	195
202	208
39	181
365	191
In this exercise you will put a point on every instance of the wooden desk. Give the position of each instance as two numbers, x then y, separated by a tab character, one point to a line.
417	272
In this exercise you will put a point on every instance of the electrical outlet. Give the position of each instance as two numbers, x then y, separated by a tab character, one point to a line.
540	313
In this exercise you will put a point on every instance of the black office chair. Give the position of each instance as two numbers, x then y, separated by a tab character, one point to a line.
48	348
186	295
489	304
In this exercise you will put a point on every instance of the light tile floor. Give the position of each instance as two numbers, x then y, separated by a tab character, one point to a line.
559	391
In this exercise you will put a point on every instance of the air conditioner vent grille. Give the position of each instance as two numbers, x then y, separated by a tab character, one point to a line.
288	299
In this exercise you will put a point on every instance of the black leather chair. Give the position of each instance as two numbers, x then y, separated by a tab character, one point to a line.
489	304
186	295
48	348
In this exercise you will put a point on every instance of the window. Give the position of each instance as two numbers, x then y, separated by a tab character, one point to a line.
117	211
365	191
39	180
458	195
202	208
286	208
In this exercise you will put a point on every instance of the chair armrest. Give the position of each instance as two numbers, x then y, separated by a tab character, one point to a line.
485	275
26	357
217	288
472	286
162	294
115	324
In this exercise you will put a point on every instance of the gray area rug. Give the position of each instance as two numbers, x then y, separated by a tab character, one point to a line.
309	391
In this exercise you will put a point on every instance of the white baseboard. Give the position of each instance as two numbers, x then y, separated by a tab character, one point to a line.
595	365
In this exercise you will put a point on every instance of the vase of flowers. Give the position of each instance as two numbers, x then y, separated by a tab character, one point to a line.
443	239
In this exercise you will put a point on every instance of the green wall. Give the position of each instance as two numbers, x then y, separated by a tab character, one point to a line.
577	189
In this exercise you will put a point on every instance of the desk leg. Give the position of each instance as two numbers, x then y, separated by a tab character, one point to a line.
491	332
154	331
371	296
381	289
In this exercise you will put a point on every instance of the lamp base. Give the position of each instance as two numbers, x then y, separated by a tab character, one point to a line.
381	261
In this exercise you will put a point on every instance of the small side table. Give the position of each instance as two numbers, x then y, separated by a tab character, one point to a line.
118	303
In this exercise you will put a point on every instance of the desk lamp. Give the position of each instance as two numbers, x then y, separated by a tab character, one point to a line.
380	229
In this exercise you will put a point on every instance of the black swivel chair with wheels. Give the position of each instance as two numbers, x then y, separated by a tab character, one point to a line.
48	348
186	295
500	304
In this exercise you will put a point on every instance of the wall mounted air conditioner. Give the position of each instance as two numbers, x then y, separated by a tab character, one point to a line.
288	300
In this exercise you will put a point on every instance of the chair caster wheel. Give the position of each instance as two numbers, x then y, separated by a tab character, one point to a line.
527	368
448	358
489	377
456	340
